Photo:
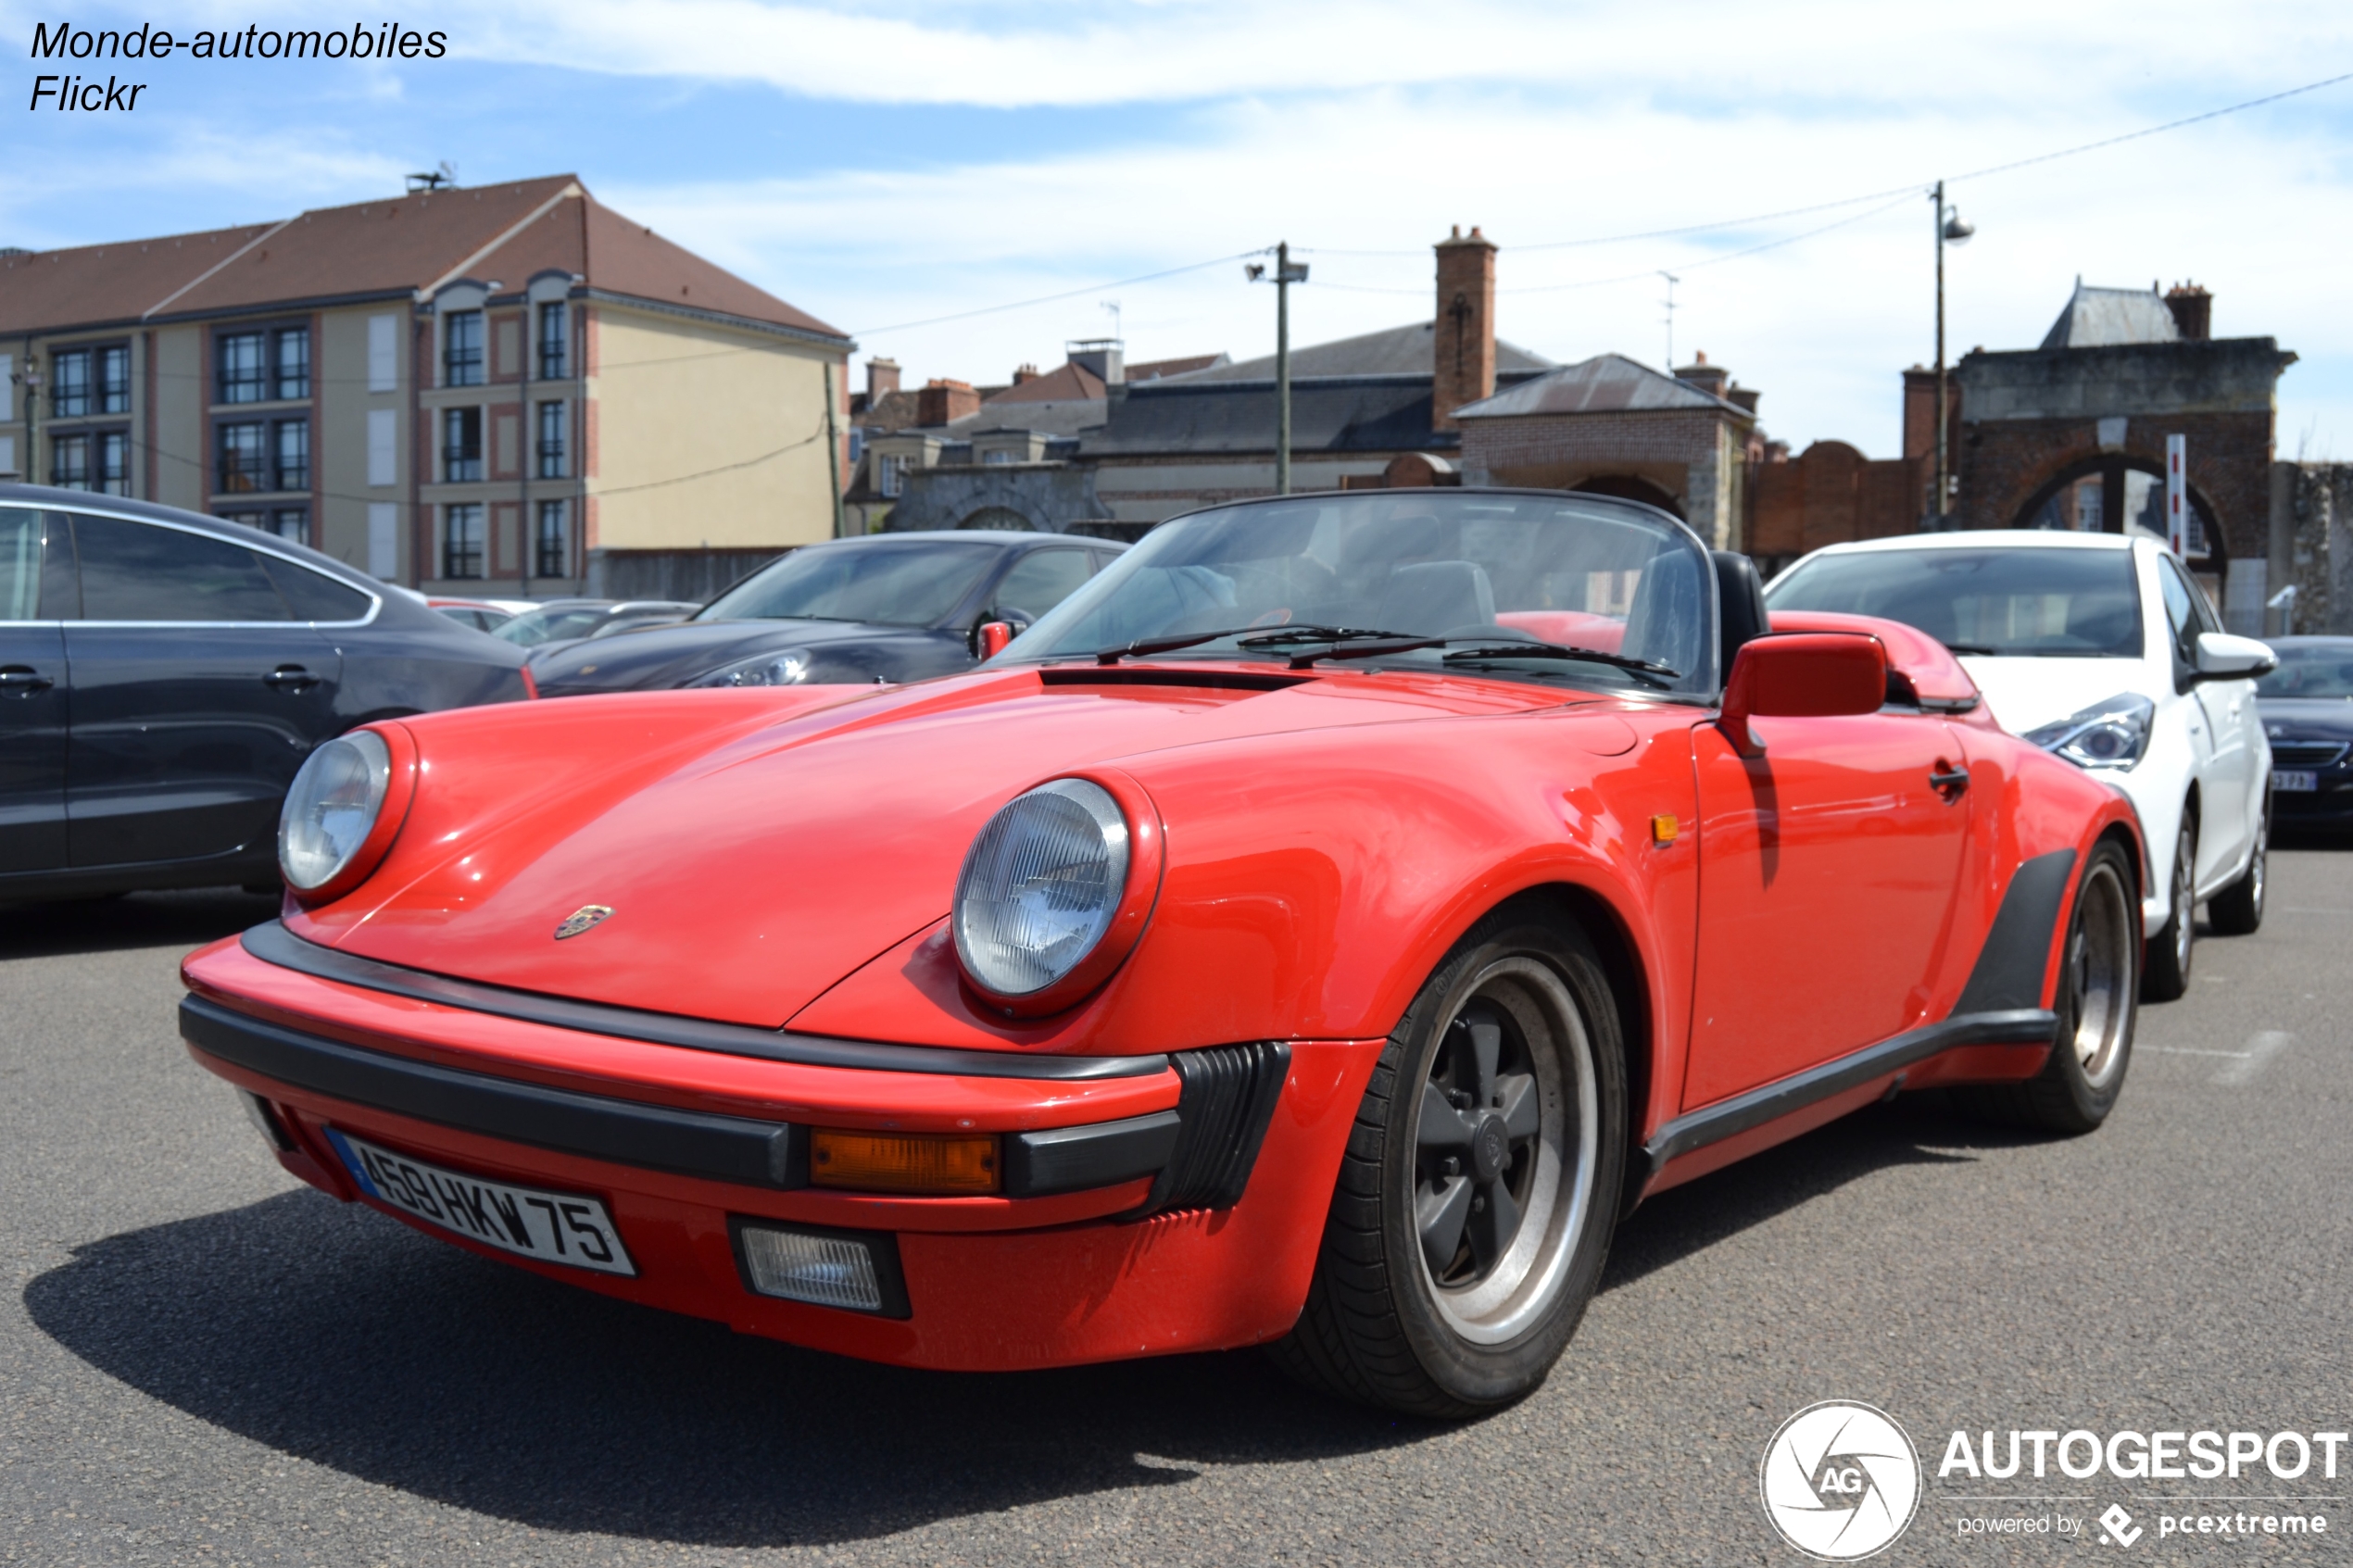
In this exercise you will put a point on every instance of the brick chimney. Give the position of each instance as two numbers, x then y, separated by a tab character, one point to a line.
1710	379
2192	310
1463	347
1027	372
940	401
882	378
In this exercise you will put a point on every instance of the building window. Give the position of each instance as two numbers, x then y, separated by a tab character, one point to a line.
69	383
239	363
551	340
461	540
291	523
551	441
462	348
243	458
111	462
292	452
69	462
890	473
550	545
294	363
999	456
258	522
461	446
114	379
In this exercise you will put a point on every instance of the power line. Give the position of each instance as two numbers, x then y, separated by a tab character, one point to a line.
1891	191
1066	293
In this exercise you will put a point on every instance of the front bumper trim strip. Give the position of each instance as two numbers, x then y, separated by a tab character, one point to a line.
274	943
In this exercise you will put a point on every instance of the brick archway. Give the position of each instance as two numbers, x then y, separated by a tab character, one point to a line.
2111	469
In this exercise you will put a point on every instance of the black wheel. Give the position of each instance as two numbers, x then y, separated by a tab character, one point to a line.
2097	1006
1480	1183
2168	951
2237	910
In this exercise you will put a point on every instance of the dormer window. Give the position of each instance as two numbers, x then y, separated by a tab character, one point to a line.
890	473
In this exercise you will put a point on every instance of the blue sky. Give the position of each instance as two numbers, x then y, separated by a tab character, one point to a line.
884	164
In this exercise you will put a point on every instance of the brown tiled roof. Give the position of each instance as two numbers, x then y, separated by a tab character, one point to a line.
1153	370
504	232
1065	384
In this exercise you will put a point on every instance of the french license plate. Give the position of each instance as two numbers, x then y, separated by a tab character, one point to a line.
555	1227
2303	784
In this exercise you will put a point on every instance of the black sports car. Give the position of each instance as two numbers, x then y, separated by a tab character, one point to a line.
887	606
162	676
2307	716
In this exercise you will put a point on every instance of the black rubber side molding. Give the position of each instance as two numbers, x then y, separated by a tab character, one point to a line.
2011	967
1228	1099
691	1143
1101	1154
1713	1124
273	943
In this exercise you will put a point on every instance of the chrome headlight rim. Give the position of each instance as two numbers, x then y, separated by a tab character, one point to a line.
1129	912
388	755
2111	735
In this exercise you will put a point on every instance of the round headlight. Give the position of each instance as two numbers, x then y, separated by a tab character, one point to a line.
332	807
1040	887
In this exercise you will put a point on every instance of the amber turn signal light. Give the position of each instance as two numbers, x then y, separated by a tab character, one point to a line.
927	1162
1664	829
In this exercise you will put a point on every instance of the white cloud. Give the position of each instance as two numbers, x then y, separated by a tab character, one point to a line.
2255	209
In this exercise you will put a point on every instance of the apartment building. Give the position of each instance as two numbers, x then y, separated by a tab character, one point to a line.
510	390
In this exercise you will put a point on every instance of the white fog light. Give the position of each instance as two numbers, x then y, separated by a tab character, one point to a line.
332	807
829	1269
1039	886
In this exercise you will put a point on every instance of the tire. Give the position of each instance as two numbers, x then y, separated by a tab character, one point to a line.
2097	1006
2237	910
2167	972
1476	1199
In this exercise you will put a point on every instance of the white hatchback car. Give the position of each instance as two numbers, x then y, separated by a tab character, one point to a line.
2099	647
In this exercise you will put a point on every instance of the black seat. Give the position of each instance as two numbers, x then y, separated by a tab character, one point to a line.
1740	597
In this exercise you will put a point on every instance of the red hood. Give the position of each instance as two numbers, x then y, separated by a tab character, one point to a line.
751	863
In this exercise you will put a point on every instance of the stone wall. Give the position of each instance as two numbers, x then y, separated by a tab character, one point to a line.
2313	527
1046	496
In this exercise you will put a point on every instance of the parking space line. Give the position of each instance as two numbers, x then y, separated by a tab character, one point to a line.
2260	1049
2187	1050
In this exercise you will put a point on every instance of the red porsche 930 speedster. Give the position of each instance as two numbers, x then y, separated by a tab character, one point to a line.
1318	932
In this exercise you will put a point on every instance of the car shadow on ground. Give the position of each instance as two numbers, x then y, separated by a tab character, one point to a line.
341	1338
185	919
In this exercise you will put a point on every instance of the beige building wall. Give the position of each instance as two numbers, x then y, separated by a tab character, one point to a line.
183	392
339	444
678	406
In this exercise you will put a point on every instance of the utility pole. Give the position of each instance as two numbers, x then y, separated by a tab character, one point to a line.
833	449
1949	229
1286	274
1671	281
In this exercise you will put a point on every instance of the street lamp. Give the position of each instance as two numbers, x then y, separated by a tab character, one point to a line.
1950	230
1287	272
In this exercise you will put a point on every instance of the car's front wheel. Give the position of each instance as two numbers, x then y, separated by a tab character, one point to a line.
1476	1199
2167	974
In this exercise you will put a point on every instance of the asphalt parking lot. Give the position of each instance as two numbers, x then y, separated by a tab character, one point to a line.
203	1361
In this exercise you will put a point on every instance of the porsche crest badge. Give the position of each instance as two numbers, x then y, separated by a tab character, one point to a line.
581	919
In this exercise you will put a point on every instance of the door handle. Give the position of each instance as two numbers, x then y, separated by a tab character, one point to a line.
292	676
25	679
1948	783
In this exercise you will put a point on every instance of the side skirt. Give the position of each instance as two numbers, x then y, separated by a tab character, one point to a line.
1745	1113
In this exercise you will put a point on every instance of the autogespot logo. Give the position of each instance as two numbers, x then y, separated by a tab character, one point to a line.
1841	1480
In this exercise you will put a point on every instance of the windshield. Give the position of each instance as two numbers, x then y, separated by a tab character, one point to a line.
909	583
2020	603
533	627
2309	670
1488	573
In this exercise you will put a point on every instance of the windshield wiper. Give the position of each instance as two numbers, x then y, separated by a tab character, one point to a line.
1642	669
1980	650
1266	638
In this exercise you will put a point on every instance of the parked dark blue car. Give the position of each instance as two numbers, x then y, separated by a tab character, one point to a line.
163	675
886	606
2307	704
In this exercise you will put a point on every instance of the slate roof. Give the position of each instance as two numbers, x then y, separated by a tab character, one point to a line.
1393	351
1608	383
379	249
2105	318
1187	414
1153	370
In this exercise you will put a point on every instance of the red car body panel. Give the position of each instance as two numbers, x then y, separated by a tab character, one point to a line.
785	862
